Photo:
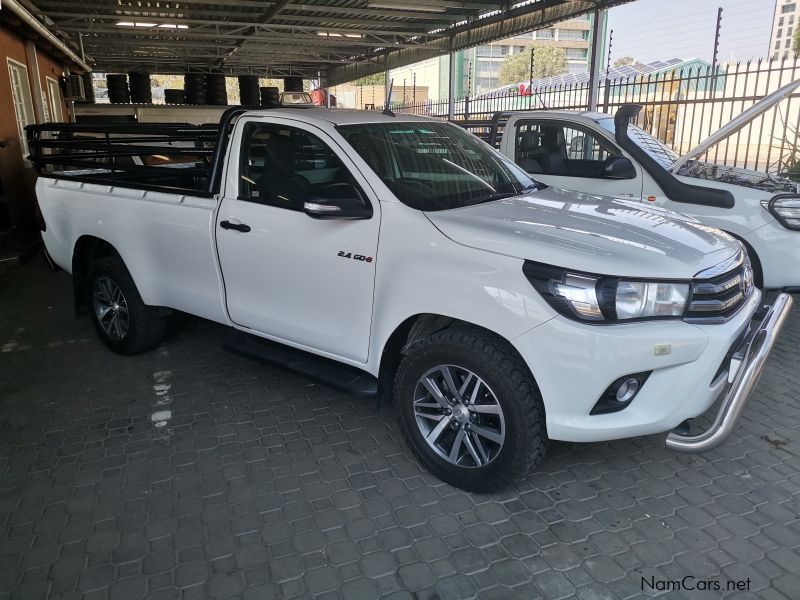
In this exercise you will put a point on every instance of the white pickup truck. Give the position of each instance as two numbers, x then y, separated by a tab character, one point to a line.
399	255
604	154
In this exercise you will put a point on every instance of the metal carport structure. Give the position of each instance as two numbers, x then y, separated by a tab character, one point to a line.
337	40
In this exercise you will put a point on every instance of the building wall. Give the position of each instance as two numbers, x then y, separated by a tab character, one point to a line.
428	73
784	23
360	96
18	178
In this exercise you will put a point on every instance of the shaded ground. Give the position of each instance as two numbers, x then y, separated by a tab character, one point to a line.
188	472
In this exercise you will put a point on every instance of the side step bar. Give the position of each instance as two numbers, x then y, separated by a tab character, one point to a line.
344	378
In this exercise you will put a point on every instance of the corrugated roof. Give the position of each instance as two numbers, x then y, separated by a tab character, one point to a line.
343	38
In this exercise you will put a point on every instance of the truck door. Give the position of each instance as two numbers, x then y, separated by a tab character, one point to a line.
569	156
288	276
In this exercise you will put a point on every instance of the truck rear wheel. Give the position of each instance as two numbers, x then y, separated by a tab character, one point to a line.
122	320
470	409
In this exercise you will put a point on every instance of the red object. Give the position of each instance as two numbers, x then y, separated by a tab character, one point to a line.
319	97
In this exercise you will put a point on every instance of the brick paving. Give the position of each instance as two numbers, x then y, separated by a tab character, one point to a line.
189	472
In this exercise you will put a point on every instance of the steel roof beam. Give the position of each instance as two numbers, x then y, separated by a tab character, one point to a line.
68	20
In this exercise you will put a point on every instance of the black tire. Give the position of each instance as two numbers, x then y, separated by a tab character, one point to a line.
146	324
513	387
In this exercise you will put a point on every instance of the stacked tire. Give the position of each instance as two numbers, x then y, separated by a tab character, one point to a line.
249	94
88	88
141	90
270	96
292	84
194	88
216	94
174	96
118	92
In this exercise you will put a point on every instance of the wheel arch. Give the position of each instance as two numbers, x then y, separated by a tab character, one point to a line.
755	260
418	327
87	250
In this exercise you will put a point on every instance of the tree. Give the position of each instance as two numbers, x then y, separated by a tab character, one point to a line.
376	79
548	61
796	42
625	60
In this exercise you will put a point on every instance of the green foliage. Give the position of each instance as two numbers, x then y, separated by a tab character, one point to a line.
548	61
376	79
796	42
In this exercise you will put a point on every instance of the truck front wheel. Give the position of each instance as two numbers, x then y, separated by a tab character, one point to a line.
470	409
122	320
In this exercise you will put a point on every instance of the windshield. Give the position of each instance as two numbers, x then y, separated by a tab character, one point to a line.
435	166
296	98
657	150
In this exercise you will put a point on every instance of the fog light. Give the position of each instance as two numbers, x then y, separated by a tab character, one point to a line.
620	393
627	390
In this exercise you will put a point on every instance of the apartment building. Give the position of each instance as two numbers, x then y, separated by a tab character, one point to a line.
478	69
787	14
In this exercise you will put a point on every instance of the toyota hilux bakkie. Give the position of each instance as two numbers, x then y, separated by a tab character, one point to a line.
401	256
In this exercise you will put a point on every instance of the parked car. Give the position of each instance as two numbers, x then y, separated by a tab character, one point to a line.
296	99
398	255
600	154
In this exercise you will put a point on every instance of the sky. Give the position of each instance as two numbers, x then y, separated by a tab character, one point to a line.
649	30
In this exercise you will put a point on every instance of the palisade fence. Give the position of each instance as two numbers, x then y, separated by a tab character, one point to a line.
680	107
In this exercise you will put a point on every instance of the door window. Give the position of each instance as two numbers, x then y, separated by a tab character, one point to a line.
282	166
554	148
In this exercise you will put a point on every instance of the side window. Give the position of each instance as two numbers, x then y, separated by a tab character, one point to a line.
555	148
282	166
582	145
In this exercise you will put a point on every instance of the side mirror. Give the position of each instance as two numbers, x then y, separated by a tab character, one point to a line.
337	201
618	167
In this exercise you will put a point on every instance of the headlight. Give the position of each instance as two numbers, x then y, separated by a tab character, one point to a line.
786	209
599	299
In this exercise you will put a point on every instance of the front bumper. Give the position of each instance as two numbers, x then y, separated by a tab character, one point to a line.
749	356
574	363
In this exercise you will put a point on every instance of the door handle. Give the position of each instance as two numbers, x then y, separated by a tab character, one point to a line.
237	226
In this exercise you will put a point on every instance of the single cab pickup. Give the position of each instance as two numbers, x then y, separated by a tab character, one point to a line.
397	255
603	154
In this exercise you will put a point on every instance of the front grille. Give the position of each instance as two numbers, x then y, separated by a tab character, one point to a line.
718	298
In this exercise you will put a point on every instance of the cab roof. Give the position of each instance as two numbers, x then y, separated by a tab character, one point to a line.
342	116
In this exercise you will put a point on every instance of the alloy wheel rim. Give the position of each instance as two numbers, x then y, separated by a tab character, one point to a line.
111	308
459	416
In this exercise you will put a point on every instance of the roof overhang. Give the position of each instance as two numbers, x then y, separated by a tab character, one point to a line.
343	39
15	13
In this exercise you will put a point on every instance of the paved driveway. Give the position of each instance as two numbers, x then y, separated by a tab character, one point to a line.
189	472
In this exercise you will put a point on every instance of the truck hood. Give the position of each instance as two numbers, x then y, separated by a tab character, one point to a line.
734	125
595	234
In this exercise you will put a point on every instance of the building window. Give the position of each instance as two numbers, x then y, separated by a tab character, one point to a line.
789	32
573	34
576	53
791	19
23	102
778	45
780	22
779	33
788	43
546	34
54	101
788	8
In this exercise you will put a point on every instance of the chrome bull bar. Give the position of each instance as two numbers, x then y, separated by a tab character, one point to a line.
744	382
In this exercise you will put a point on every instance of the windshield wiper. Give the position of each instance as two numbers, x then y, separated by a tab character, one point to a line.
498	196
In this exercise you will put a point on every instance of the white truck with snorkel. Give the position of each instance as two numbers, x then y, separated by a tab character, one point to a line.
599	153
396	255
